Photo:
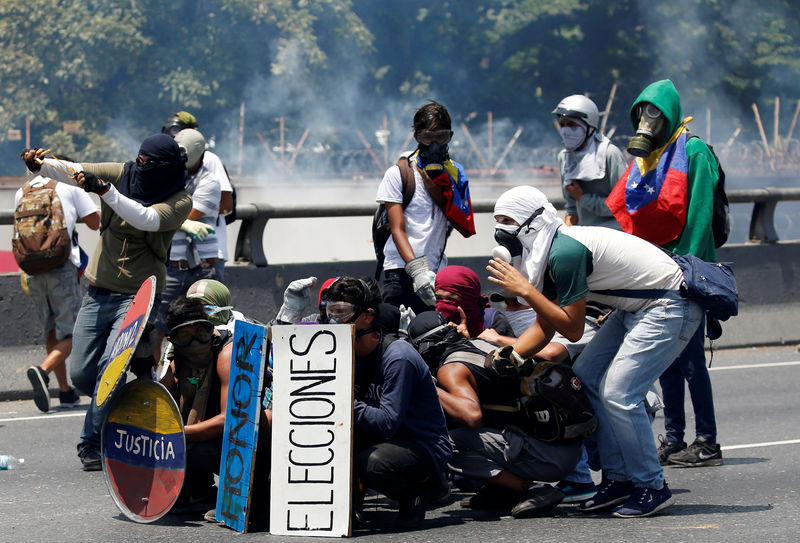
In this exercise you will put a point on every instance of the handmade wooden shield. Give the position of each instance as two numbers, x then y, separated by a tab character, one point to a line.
312	430
126	340
243	411
144	451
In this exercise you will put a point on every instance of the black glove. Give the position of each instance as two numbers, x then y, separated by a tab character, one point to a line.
33	165
92	183
507	363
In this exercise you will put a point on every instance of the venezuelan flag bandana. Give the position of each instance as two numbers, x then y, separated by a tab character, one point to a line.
650	199
452	180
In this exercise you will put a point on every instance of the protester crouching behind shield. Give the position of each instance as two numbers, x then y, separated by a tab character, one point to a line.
401	441
143	202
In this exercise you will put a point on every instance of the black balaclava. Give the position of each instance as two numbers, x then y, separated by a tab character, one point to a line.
161	177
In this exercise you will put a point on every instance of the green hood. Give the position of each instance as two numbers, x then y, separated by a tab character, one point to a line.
665	97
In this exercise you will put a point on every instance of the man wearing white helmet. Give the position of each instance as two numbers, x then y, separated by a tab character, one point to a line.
590	164
560	269
194	253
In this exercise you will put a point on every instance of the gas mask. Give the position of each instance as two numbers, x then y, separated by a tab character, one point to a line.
433	153
572	136
507	235
651	130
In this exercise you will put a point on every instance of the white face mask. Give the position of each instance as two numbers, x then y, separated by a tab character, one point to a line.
572	136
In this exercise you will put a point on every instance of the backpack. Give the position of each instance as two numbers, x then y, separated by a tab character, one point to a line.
41	241
721	218
552	404
381	231
230	217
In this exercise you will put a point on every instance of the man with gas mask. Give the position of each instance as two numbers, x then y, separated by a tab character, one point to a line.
488	431
667	197
559	269
143	202
415	250
401	442
590	164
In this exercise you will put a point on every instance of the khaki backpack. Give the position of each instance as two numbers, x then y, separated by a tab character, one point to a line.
41	240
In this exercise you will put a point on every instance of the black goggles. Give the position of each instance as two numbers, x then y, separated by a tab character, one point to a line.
183	335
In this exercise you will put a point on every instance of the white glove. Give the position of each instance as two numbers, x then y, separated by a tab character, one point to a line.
197	229
406	316
424	279
296	298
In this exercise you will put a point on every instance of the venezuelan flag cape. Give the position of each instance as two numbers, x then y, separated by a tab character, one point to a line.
452	179
650	199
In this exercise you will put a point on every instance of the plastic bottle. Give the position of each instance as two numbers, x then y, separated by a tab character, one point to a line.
10	462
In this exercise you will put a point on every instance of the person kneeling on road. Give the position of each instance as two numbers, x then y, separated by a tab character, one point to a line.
401	442
491	437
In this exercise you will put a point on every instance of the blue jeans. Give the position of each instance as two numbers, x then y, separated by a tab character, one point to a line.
177	284
691	366
99	319
626	356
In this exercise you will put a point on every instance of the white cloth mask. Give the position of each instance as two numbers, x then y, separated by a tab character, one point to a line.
572	136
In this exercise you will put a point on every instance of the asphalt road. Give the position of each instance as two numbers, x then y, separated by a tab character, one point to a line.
752	497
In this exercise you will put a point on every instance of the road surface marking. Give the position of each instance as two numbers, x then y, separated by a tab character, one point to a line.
763	444
45	417
751	366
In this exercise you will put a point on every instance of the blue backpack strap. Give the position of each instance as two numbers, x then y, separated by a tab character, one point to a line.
488	316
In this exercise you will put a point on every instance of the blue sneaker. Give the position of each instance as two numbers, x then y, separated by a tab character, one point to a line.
576	492
609	494
645	502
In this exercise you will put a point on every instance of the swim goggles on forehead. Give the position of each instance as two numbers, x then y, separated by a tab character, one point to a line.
183	335
212	310
341	312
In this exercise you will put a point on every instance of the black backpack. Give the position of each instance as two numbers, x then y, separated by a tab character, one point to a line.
721	219
552	402
555	404
381	231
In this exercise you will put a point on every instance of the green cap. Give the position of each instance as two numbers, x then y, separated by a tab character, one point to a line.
214	294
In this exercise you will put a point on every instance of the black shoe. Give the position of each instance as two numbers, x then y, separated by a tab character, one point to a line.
411	514
538	500
609	494
90	458
667	448
492	497
68	398
195	502
700	453
41	394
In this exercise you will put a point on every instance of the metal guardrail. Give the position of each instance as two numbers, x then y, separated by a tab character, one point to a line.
254	217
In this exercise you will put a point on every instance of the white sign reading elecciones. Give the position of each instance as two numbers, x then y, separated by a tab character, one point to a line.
312	430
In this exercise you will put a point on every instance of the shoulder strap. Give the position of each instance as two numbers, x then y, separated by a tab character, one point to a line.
407	176
651	293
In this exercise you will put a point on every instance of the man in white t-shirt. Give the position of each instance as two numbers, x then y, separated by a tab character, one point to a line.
415	250
57	296
212	163
559	270
194	253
